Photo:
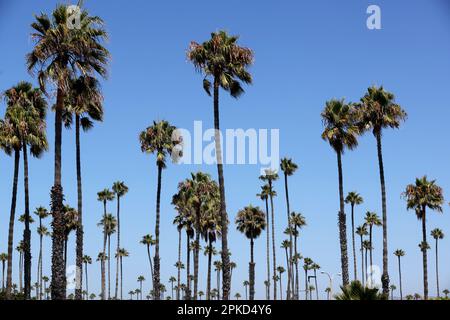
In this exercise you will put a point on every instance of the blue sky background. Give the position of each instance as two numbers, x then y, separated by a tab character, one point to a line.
306	52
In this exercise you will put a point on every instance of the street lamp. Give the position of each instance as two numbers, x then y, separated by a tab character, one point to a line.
331	277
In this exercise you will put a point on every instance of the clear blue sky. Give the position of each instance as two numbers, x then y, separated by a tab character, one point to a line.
306	52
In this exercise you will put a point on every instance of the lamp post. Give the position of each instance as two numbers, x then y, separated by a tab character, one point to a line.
331	277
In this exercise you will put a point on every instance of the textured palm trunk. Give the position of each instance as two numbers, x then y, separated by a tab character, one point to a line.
306	284
79	230
437	269
290	281
274	256
117	248
188	269
109	267
11	223
281	287
223	211
385	275
362	262
87	283
156	274
371	249
268	249
150	262
27	231
196	252
317	286
21	272
3	275
179	269
208	284
121	278
102	262
424	254
297	281
218	284
342	224
400	277
355	270
58	285
252	271
39	269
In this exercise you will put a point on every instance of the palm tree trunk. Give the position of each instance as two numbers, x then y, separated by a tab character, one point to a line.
287	263
118	248
58	285
196	252
218	284
179	261
27	231
150	261
273	244
109	267
437	269
366	265
79	230
355	271
11	223
342	224
223	211
121	278
87	285
371	249
21	272
268	249
362	262
188	267
208	283
156	274
252	271
281	287
424	253
290	281
306	284
3	275
400	278
39	269
317	286
102	262
297	281
385	275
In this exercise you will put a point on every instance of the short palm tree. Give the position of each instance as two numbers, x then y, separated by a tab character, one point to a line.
148	241
201	294
446	293
246	284
361	231
281	270
379	111
307	263
86	260
218	267
399	253
237	296
341	132
42	214
109	225
3	260
419	196
251	222
298	221
372	219
437	234
223	61
101	257
158	138
122	253
354	198
140	279
392	288
172	280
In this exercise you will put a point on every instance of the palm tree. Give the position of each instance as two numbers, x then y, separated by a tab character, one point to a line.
316	267
306	267
120	189
356	291
172	280
341	132
298	221
131	293
367	247
446	292
104	196
392	288
210	251
372	219
354	198
223	61
270	176
70	224
264	196
420	196
158	139
178	221
140	279
109	224
237	296
102	258
148	241
201	294
60	52
122	253
246	284
218	267
19	249
285	245
3	260
281	270
289	167
379	111
437	234
92	296
361	231
251	222
400	253
42	213
86	260
46	290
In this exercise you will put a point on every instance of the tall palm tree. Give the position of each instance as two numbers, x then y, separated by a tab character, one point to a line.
87	260
372	219
354	198
104	196
285	245
289	168
399	253
246	284
392	288
341	132
281	270
140	279
223	61
211	231
42	232
121	253
218	267
419	196
264	196
42	214
316	267
367	246
148	241
120	189
306	267
437	234
178	221
251	222
361	231
298	221
3	260
109	225
60	52
237	296
70	224
158	139
19	249
379	111
172	280
270	176
102	258
46	290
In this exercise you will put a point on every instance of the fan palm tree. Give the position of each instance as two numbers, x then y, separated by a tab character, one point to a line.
437	234
3	260
281	270
86	260
172	280
19	249
341	132
178	221
148	241
289	167
392	288
264	196
218	267
307	263
372	219
42	232
122	253
104	196
102	258
237	296
201	294
354	198
109	225
251	222
120	189
270	176
246	284
420	196
211	232
367	247
42	213
140	279
379	111
158	139
131	293
70	224
315	267
223	61
59	53
446	292
361	231
298	221
399	253
46	290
